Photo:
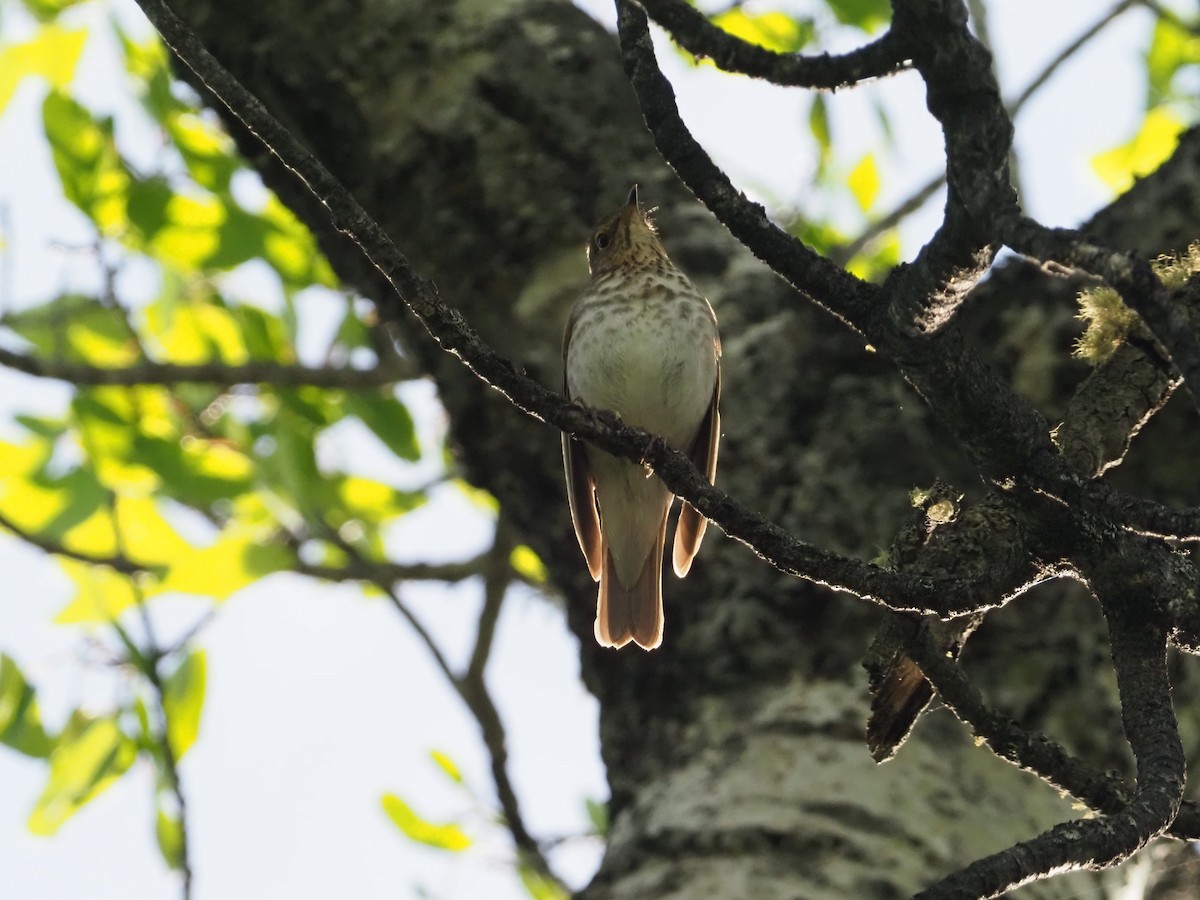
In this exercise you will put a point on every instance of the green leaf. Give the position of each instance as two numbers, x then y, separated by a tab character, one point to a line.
537	885
207	151
76	328
183	701
390	419
147	64
195	471
20	722
881	257
169	832
774	30
93	175
818	124
527	564
863	182
236	560
1155	141
444	837
447	765
48	10
101	594
1171	49
90	755
52	53
867	15
598	815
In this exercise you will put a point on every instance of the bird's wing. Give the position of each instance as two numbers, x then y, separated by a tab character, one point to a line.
690	530
581	487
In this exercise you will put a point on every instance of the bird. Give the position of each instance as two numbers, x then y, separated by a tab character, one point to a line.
641	341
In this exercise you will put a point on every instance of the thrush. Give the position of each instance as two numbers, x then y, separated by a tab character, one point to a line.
642	342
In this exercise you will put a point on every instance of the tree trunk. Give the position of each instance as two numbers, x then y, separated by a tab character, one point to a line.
487	136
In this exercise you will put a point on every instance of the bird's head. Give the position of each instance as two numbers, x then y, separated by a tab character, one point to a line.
625	239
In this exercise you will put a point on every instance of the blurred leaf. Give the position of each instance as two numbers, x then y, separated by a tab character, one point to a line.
192	235
390	419
1149	148
598	815
818	124
867	15
537	885
146	62
101	594
183	701
90	755
818	235
447	765
169	832
265	335
20	722
76	328
863	182
93	175
527	564
444	837
207	151
881	257
774	30
195	471
48	10
52	53
1171	49
194	331
366	498
235	560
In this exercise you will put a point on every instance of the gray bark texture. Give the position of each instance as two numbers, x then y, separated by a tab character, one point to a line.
487	136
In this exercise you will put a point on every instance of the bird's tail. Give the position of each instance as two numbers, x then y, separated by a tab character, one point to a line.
635	612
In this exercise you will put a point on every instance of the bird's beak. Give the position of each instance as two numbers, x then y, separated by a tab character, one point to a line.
632	200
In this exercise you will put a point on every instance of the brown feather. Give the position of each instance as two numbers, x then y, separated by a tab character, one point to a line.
634	613
581	495
690	530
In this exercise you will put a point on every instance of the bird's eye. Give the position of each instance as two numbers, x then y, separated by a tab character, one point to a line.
603	240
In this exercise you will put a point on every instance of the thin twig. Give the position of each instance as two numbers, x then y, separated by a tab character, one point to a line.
921	195
146	372
118	562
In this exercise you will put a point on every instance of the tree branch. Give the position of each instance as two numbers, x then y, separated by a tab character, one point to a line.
1139	655
1103	792
1162	310
447	326
218	373
118	561
693	31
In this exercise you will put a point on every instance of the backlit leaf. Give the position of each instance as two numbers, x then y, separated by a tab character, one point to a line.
867	15
527	564
89	756
101	594
444	837
390	419
20	722
863	182
1149	148
1171	49
537	885
447	765
774	30
92	173
183	701
168	831
52	53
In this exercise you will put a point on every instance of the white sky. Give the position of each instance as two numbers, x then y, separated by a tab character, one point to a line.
319	700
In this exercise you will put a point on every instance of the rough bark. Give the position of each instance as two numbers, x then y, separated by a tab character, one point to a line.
487	137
